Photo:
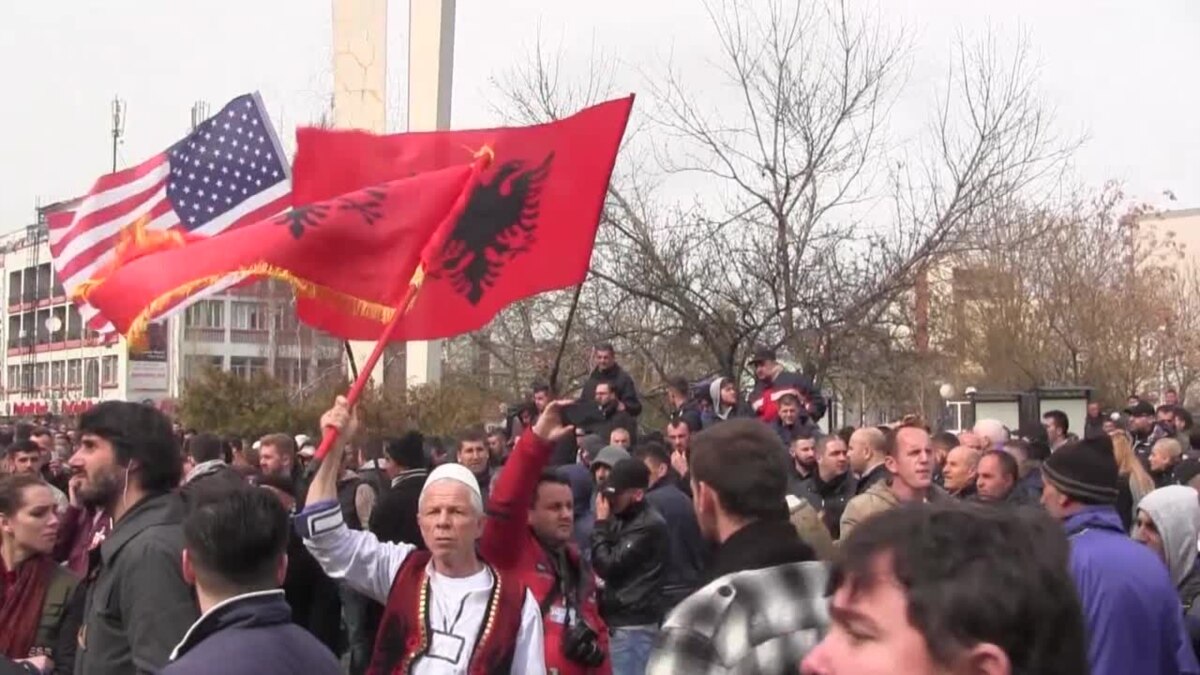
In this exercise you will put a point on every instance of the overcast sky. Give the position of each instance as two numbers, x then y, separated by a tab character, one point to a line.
1125	73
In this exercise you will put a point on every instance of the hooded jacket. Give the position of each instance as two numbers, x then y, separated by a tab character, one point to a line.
1134	620
1176	514
1175	510
720	412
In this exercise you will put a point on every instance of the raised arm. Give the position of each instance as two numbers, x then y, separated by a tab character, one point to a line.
512	494
366	564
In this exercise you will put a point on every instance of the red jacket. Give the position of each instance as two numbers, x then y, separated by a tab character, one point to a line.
511	547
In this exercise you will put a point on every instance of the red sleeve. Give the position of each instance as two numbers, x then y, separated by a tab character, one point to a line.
508	503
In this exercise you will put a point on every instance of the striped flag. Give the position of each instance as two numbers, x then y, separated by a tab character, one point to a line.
230	171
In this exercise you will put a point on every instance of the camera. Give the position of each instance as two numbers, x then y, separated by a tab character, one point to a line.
582	645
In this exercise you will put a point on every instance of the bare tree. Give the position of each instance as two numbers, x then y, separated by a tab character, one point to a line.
810	221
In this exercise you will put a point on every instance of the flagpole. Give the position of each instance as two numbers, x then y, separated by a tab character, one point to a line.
562	345
350	358
330	434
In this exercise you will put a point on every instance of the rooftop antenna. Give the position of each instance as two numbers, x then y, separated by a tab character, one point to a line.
199	113
118	127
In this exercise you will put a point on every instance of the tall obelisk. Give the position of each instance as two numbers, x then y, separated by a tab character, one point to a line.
360	102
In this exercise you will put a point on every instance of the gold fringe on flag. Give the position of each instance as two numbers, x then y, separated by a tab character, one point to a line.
136	334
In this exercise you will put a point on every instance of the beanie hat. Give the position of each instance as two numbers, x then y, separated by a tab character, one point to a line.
1085	471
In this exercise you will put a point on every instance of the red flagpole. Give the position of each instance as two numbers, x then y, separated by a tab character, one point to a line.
483	158
330	434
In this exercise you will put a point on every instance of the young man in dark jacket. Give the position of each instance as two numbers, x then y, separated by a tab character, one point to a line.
607	370
689	551
614	417
630	551
234	554
137	605
683	407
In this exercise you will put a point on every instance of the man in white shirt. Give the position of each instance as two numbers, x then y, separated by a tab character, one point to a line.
445	610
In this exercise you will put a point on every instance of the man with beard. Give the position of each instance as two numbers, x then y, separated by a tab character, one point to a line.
1141	428
608	370
137	605
614	417
803	466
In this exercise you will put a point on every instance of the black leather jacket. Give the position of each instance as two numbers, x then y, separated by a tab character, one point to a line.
630	553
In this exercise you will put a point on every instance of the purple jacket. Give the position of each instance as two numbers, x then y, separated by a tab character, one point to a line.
1133	614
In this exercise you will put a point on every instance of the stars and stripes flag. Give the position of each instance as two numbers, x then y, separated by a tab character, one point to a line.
230	171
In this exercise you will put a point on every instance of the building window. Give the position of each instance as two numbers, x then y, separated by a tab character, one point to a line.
206	314
289	371
58	371
91	377
74	373
108	371
14	377
27	377
41	375
194	365
14	288
247	366
247	316
45	281
74	323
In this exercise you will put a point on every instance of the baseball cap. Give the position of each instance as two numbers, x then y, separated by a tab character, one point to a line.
763	353
1141	409
627	474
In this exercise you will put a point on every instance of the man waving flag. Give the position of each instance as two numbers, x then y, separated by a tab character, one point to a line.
229	172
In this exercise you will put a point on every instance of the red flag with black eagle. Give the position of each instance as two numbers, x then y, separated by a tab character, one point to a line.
353	254
528	224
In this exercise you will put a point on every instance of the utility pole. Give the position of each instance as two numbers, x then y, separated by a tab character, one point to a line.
118	128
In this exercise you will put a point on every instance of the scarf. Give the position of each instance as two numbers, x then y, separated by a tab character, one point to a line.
23	591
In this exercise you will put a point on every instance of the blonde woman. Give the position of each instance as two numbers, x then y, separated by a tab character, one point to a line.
1135	481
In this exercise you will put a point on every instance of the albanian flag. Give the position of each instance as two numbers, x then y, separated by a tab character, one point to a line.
528	225
353	255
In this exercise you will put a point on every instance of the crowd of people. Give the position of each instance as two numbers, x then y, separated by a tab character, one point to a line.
574	539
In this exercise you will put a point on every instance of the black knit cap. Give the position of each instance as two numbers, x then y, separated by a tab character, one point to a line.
1084	470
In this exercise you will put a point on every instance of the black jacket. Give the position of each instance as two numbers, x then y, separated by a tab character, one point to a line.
630	552
394	518
613	419
689	413
870	478
313	596
834	496
622	385
688	550
252	633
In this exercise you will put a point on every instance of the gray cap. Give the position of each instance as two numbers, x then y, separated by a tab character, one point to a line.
609	456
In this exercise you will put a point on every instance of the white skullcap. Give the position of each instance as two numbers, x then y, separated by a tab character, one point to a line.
454	472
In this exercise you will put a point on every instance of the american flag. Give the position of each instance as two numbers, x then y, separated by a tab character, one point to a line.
230	171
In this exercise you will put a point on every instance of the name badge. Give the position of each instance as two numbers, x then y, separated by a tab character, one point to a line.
560	614
446	647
